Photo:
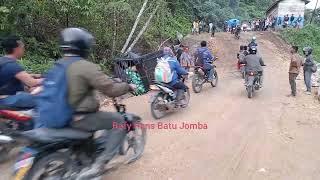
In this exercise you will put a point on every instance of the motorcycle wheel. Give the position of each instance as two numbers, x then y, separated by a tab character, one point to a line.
157	114
137	142
214	83
196	83
52	166
250	92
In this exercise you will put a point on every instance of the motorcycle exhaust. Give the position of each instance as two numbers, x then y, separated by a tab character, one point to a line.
5	139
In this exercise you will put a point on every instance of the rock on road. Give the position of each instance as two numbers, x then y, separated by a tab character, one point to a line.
269	137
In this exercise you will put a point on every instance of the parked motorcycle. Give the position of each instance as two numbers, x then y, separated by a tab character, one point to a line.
253	83
63	153
201	77
163	99
12	122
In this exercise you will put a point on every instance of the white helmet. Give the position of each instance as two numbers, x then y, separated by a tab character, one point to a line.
254	38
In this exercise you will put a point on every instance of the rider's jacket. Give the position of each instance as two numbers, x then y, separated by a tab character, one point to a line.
253	63
84	78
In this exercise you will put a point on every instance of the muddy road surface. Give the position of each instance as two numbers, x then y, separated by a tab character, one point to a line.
268	137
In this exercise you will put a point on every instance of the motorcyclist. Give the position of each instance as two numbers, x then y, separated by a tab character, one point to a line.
178	72
14	77
84	77
253	42
254	63
205	59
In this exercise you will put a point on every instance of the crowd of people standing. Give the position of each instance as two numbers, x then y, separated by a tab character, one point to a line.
202	26
273	22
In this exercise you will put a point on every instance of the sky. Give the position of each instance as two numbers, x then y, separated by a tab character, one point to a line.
312	4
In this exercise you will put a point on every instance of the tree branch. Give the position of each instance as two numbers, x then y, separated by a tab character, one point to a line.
134	26
143	29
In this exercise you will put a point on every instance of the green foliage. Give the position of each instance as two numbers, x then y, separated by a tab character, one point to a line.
40	21
36	64
308	36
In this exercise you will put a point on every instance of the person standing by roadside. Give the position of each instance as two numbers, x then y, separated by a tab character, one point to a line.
308	68
299	22
195	27
294	69
274	21
257	25
213	31
292	20
286	21
186	59
201	26
210	27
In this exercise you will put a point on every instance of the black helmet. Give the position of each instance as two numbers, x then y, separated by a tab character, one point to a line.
307	51
253	50
76	41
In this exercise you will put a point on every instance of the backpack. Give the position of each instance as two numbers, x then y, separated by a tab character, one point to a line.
53	109
163	71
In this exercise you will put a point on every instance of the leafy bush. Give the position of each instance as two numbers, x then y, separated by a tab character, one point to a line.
39	23
36	64
308	36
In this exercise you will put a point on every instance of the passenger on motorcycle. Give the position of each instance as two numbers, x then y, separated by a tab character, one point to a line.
205	59
254	63
178	72
14	77
83	78
241	55
253	42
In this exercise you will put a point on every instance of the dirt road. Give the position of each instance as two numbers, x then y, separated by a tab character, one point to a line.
269	137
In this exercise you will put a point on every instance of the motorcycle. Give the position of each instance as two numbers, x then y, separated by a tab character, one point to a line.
63	153
201	77
163	99
253	83
12	122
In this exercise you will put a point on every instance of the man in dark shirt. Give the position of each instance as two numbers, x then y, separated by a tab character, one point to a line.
292	19
14	77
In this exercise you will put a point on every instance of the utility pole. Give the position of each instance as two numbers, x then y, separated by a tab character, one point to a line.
314	11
